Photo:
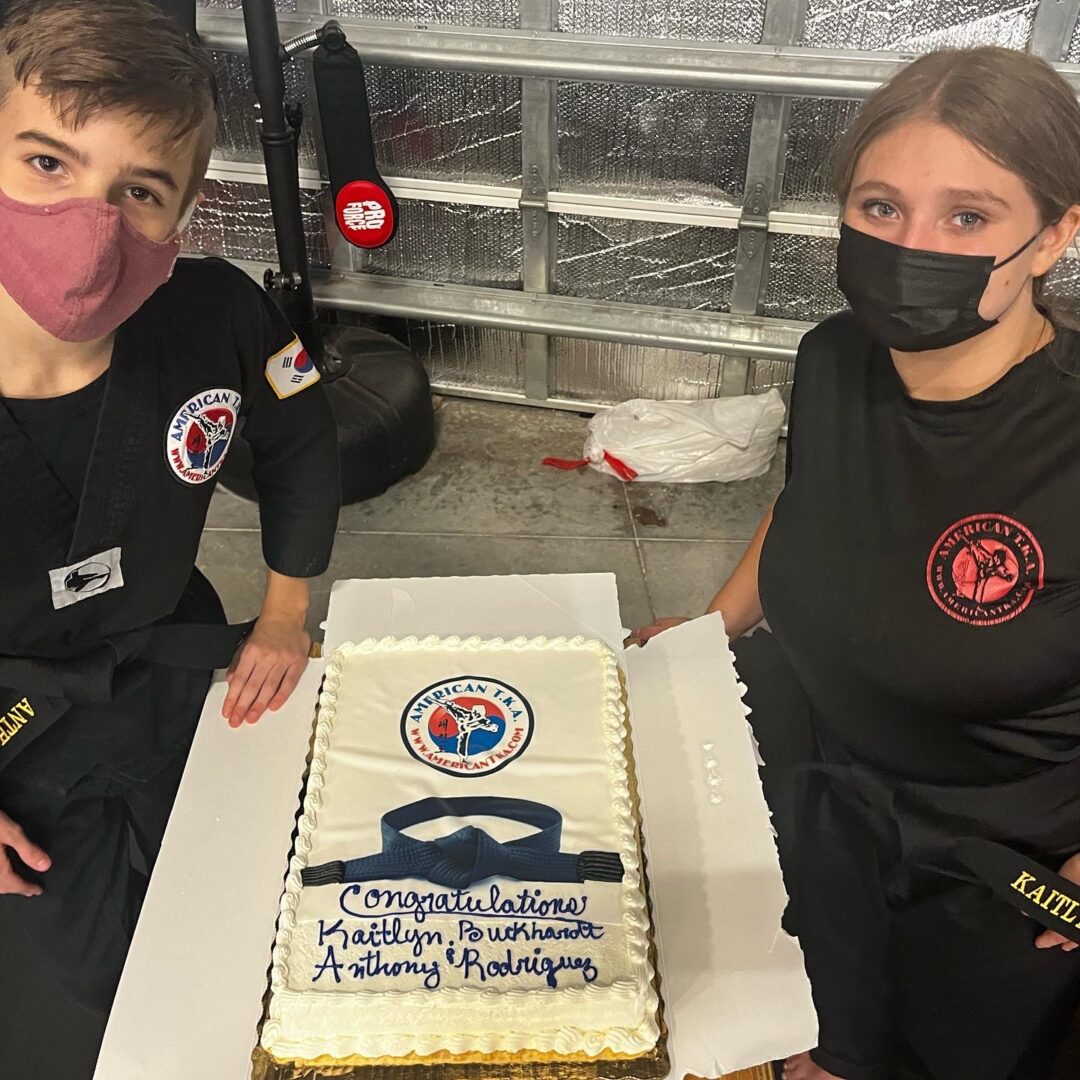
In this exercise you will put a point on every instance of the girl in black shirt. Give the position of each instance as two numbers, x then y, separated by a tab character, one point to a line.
919	694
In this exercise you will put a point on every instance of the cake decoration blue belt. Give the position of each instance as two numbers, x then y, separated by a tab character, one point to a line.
470	854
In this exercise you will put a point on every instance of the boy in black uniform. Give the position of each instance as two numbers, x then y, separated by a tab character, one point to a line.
124	376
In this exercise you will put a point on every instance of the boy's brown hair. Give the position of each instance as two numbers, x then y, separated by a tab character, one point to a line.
94	56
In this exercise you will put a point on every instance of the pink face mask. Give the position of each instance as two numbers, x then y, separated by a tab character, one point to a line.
79	268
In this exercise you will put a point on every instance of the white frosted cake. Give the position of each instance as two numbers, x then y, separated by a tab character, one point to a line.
466	878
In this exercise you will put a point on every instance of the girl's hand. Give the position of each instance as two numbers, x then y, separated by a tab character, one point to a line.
641	635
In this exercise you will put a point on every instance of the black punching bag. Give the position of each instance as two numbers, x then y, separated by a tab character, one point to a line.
386	425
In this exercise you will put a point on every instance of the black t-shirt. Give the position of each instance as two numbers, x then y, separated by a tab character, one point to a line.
62	430
922	571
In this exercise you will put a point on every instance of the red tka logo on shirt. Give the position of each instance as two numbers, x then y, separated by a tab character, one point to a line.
985	569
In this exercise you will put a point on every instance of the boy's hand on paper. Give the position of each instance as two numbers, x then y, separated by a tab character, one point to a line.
644	633
266	668
1051	939
12	836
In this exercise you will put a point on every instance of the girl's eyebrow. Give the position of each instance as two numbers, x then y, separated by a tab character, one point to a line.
984	196
877	185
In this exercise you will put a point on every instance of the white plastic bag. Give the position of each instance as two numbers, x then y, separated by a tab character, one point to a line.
686	442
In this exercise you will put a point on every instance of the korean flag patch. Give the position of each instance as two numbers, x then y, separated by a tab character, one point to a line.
291	370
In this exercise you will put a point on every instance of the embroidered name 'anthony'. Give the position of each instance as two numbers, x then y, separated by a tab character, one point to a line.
14	720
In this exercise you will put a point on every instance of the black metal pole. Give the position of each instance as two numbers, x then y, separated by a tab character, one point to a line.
293	284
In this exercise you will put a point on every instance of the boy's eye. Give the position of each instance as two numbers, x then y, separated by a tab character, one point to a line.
143	195
969	219
46	164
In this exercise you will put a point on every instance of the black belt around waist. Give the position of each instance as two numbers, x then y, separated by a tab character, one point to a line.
950	846
35	692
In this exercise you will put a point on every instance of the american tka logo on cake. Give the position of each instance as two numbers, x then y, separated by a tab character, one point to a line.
467	726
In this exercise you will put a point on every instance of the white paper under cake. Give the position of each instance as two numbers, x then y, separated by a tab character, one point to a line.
398	967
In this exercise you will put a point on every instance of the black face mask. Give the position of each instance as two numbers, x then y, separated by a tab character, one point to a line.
914	300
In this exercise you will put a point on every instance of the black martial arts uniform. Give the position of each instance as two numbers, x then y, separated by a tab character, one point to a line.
107	632
921	577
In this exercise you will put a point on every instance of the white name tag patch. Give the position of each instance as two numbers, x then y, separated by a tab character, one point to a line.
90	577
291	370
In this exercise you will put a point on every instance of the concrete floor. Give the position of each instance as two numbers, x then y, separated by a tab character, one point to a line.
484	504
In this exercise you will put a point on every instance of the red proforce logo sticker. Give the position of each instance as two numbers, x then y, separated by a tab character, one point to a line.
365	214
985	569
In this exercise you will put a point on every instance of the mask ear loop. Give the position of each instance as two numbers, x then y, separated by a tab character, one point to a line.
1019	251
185	217
1016	254
182	224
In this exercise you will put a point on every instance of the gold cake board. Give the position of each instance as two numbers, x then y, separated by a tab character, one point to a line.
652	1066
267	1069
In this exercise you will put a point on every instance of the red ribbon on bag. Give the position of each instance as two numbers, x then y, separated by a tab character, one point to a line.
619	468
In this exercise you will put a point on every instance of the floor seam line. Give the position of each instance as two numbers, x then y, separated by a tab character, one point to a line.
640	553
453	535
635	537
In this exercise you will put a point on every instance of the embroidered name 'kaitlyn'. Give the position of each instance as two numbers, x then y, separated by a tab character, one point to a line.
1059	904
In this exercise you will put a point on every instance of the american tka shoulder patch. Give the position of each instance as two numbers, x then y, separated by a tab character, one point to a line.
291	370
